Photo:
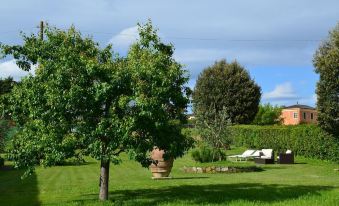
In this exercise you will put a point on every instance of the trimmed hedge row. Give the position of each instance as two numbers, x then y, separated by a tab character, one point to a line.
304	140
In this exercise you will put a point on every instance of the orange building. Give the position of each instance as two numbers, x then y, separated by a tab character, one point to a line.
298	114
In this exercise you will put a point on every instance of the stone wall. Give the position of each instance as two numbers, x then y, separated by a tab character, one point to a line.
221	169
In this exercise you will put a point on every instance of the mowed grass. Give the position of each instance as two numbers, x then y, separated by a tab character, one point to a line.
309	182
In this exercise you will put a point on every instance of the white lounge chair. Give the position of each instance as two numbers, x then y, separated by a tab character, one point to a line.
266	157
244	156
266	153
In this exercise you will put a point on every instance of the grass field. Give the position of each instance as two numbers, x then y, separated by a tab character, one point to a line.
309	182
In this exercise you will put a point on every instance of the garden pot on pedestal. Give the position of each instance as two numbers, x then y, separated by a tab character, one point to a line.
162	168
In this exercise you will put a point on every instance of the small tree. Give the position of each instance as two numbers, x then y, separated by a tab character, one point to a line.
267	115
212	127
326	62
227	87
87	100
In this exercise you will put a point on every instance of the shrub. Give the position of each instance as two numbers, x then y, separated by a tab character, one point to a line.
205	153
306	140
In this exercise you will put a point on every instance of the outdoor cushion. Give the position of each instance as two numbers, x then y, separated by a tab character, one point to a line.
257	153
247	153
288	152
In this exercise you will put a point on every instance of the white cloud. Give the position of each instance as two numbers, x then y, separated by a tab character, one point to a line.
283	91
125	38
9	68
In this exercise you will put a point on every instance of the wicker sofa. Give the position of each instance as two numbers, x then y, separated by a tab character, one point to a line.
267	157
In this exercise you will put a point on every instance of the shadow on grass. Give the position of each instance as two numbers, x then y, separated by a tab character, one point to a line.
15	191
65	164
213	194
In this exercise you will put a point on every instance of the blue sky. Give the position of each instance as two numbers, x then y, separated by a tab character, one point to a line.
274	40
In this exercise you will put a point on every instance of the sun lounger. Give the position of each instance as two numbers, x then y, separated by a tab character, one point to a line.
244	156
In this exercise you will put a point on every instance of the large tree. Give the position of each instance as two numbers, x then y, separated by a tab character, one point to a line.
326	62
226	87
87	100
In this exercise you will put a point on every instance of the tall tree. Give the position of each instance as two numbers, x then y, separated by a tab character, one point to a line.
86	99
226	87
326	62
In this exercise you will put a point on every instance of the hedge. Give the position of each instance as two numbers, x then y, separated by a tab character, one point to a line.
305	140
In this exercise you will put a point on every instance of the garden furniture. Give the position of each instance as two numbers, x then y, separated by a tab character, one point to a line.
286	158
247	154
267	157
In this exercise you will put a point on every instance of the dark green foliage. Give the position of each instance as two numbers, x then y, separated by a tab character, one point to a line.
229	87
267	115
6	85
7	131
3	128
206	153
2	162
306	140
326	62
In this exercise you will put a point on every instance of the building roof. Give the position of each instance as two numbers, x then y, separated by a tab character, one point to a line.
300	106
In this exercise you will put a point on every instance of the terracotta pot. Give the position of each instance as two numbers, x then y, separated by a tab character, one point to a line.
162	168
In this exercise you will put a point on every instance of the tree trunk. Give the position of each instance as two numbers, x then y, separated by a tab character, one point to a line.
104	176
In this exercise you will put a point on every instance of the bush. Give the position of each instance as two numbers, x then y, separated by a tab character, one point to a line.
205	153
304	140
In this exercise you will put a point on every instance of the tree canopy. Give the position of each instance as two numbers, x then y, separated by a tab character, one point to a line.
87	100
326	62
226	87
267	115
6	85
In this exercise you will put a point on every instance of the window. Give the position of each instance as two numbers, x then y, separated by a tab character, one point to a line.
311	115
304	115
295	115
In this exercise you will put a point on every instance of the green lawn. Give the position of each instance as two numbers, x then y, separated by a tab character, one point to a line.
309	182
